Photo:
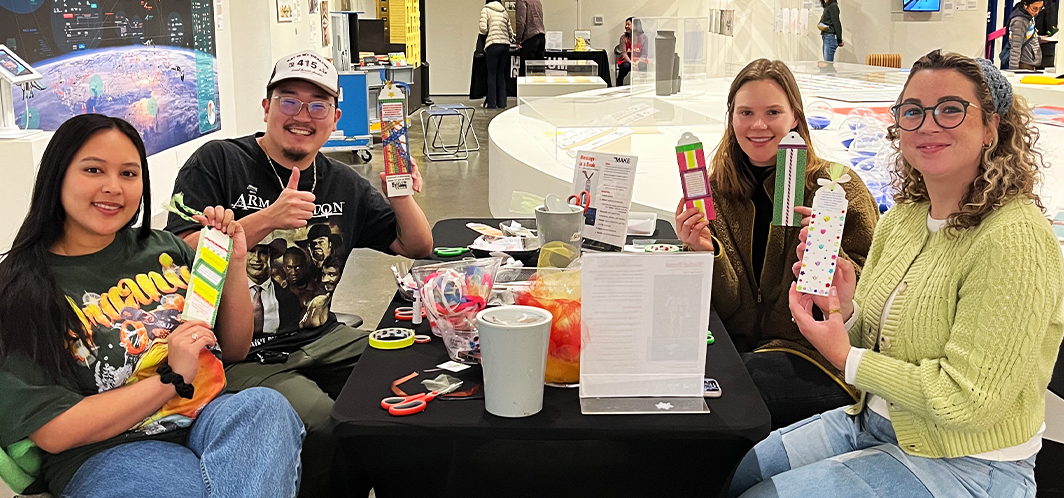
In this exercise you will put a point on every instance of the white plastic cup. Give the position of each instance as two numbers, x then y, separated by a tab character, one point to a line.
513	352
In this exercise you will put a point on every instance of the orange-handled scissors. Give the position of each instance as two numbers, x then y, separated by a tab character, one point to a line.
583	199
415	403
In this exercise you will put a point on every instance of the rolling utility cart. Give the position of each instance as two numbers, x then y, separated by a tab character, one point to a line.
352	131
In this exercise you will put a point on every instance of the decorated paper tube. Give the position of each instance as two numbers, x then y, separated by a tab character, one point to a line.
691	158
825	234
394	143
790	180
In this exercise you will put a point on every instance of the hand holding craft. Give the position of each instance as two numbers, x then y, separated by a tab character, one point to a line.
223	219
184	345
828	336
693	228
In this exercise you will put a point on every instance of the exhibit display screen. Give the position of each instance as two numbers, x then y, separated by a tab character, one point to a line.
149	62
922	5
14	69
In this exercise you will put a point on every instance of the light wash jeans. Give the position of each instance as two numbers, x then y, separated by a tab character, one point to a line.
831	44
241	445
834	454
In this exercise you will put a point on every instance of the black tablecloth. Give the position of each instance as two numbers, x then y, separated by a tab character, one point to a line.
478	80
455	448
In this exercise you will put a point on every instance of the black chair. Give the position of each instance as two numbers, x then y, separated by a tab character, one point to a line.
353	321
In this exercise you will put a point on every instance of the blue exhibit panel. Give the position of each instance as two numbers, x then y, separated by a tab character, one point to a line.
922	5
353	105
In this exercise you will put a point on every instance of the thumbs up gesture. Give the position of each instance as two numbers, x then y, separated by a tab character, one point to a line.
292	208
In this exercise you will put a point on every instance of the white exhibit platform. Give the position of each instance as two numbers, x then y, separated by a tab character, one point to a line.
533	147
553	86
21	159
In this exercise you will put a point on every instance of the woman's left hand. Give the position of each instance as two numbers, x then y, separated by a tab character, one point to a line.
829	336
223	219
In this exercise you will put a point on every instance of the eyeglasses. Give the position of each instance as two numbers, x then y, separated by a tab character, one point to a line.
948	114
291	106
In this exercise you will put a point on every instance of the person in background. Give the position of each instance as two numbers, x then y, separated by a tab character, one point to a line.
633	46
1046	23
1025	51
124	397
954	329
495	24
531	35
753	262
830	27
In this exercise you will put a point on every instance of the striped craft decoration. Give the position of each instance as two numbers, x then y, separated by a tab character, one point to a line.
790	180
691	159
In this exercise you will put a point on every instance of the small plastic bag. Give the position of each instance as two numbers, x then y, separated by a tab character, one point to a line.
452	294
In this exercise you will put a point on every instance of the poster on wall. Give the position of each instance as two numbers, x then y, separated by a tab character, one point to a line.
148	62
325	24
312	6
285	11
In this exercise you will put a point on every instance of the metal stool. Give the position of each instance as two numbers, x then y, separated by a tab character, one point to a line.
469	111
443	151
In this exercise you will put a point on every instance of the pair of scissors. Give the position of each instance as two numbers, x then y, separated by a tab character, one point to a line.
450	252
409	405
406	313
583	199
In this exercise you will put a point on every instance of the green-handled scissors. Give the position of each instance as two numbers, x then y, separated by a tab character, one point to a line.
450	252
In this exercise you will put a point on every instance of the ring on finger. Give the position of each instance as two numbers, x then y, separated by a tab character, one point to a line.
834	310
195	337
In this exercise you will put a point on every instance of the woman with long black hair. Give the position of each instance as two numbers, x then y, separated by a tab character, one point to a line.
97	368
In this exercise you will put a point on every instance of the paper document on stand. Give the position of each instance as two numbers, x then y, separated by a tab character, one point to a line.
644	319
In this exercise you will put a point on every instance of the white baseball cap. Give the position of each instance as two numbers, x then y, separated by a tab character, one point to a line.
307	66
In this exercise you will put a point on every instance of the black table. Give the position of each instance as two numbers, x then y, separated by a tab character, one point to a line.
478	80
455	448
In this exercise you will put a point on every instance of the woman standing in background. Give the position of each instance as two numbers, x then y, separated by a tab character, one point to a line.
830	29
495	24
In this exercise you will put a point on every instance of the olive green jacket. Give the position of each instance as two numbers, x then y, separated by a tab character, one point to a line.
756	314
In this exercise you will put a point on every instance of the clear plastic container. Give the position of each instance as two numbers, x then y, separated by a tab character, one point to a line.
452	294
818	114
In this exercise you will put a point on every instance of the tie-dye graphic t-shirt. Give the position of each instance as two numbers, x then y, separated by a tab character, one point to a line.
129	298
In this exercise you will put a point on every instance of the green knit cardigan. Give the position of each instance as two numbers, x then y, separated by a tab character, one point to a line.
969	345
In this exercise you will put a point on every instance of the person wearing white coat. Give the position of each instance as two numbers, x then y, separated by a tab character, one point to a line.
495	24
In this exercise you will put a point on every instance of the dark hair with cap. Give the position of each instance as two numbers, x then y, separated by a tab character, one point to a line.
1011	165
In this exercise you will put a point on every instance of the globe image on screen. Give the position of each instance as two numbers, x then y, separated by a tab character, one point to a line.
154	88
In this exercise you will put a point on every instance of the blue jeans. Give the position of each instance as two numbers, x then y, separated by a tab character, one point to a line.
831	44
241	445
834	454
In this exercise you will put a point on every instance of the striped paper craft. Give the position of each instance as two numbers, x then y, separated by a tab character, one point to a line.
204	292
691	159
790	180
391	104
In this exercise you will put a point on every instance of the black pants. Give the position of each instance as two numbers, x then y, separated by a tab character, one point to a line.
533	49
498	59
622	71
793	388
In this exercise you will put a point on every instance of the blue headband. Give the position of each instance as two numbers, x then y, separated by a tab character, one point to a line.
1000	88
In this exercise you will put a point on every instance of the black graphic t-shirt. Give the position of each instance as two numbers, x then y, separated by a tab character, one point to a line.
292	273
128	296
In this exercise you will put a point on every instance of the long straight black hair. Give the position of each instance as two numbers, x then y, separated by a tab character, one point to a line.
35	318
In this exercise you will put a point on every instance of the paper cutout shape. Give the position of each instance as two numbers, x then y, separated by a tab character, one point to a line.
691	159
825	237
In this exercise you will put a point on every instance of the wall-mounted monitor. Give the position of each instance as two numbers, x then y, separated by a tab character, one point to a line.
922	5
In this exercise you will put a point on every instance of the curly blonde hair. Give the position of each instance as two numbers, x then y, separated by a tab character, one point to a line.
1010	167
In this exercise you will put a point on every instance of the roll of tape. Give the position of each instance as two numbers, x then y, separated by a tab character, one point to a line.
662	248
392	338
422	339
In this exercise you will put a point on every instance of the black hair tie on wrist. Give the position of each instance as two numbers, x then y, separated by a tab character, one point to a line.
167	375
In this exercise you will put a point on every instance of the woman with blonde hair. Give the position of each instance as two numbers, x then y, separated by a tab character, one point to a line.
954	329
752	270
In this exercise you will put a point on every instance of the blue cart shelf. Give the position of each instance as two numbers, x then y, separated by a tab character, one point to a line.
353	126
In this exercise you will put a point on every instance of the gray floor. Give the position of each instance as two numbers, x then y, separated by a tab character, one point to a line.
452	189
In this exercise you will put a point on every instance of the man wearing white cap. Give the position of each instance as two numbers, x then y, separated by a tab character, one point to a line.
281	188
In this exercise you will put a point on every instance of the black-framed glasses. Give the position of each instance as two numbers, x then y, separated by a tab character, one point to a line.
947	114
290	106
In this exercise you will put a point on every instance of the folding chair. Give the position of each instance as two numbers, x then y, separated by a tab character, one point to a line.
469	113
442	151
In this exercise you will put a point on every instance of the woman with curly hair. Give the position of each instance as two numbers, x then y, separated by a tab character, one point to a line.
954	329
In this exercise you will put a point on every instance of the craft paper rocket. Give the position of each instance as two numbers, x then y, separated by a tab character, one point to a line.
398	179
691	158
790	180
825	235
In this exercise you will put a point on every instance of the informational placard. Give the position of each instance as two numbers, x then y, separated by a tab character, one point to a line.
605	181
554	40
654	345
204	292
398	177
